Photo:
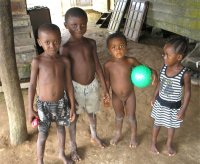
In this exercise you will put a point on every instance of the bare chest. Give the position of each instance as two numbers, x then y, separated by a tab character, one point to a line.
51	70
120	70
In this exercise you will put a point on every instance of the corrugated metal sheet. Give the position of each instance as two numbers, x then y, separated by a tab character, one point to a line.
178	16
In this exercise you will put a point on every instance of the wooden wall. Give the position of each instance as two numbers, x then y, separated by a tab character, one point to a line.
178	16
18	7
23	38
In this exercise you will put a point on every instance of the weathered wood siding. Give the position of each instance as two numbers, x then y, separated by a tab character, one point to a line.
23	38
18	7
178	16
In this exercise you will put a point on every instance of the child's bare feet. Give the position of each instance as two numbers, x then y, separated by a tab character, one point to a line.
133	143
97	141
74	156
40	161
171	151
115	139
154	150
63	157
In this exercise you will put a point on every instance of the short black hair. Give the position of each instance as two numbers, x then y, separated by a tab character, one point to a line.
180	45
116	35
75	12
49	27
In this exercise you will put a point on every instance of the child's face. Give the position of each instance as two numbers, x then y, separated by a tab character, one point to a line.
77	26
170	56
117	47
50	42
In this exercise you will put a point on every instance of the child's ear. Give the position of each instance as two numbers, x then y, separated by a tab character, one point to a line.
180	57
65	24
39	42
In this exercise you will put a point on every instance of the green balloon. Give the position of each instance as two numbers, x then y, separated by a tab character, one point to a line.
141	76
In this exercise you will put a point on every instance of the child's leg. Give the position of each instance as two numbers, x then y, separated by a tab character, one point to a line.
93	123
119	115
170	136
130	106
42	137
118	130
155	132
72	138
61	141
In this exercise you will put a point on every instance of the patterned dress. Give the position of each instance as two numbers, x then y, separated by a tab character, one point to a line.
168	101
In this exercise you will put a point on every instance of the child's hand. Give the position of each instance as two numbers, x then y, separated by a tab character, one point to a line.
35	122
32	115
153	101
180	114
154	77
106	100
71	116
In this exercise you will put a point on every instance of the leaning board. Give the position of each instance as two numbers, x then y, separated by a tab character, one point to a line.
135	17
117	15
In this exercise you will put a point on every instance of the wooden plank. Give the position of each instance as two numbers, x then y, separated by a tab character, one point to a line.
25	57
25	48
135	18
185	22
193	34
24	70
22	85
18	7
117	15
193	3
176	9
28	41
21	20
177	16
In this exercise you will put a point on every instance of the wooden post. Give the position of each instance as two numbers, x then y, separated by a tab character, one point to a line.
9	77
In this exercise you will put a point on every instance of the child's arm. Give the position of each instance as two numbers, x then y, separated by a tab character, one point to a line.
99	70
187	94
155	93
107	76
107	80
32	89
63	50
69	87
154	77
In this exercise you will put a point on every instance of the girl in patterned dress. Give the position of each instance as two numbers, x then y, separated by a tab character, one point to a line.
168	109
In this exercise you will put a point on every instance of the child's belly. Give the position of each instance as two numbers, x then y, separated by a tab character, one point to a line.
123	93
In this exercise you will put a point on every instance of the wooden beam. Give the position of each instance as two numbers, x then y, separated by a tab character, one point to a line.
10	78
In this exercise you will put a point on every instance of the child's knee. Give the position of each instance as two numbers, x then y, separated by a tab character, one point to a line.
42	137
132	119
119	117
60	129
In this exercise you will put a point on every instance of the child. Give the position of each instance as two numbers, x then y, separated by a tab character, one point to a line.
82	53
117	74
50	72
168	111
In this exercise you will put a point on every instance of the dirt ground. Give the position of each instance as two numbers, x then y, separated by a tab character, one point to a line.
186	141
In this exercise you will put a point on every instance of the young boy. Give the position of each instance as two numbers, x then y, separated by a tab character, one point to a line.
117	75
85	66
50	72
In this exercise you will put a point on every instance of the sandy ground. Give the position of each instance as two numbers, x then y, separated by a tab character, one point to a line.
186	141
